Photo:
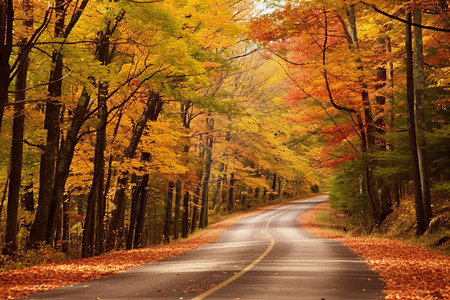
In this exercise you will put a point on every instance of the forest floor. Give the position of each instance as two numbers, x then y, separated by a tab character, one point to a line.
409	271
21	282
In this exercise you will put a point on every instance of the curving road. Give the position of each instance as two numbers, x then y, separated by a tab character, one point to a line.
266	256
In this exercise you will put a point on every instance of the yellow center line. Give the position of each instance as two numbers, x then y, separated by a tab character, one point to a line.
247	268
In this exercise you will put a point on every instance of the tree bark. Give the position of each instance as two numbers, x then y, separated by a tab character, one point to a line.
168	219
185	227
205	185
366	128
6	42
63	163
231	194
195	210
66	226
116	225
139	229
390	85
28	198
217	188
274	187
383	194
419	83
93	232
39	230
15	174
420	216
176	225
135	207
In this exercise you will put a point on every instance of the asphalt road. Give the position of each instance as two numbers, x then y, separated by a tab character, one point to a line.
266	256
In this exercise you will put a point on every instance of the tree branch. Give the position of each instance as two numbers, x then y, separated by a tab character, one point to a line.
404	21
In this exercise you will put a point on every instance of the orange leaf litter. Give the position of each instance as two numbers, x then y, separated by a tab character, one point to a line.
22	282
409	272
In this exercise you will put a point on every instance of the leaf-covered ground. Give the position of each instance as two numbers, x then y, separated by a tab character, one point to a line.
410	272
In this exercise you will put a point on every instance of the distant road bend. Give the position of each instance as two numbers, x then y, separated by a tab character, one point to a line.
266	256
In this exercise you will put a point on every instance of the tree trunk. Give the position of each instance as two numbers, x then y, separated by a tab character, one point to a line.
139	229
168	220
64	161
99	179
274	187
390	85
366	128
419	83
15	173
135	207
420	216
93	232
230	194
195	210
151	111
6	42
176	225
65	226
39	230
217	188
205	185
186	118
185	227
384	197
279	187
28	198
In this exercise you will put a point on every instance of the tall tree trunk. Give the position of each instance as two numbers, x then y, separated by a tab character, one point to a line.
390	85
419	83
99	164
93	231
367	130
279	187
168	219
231	194
384	197
205	185
185	226
39	230
135	207
28	197
139	229
420	216
176	225
6	42
116	224
274	187
195	209
66	225
186	118
15	174
217	188
63	163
